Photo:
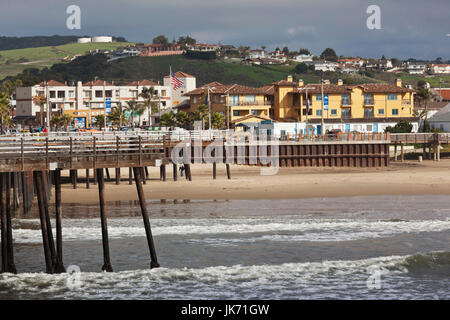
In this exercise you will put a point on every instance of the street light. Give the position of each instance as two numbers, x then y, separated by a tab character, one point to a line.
227	103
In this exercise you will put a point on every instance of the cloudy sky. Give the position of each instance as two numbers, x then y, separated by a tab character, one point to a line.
409	28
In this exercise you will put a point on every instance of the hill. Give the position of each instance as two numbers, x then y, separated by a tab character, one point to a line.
88	67
10	43
15	61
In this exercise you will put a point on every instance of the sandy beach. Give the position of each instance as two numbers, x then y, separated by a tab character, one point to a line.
407	178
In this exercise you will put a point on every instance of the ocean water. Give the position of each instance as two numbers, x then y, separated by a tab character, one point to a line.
381	247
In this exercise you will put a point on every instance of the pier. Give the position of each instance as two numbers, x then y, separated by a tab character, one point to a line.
31	167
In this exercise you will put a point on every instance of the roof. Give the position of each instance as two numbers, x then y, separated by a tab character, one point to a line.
250	116
367	88
52	83
97	83
432	105
442	116
218	88
444	93
144	82
180	74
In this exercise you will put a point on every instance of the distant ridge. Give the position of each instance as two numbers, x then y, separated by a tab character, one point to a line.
10	43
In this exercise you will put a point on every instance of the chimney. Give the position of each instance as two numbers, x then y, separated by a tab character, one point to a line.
340	82
398	83
300	83
290	79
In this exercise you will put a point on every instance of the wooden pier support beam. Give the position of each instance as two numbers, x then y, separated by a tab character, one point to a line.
130	176
148	231
45	239
163	172
3	224
88	182
228	171
214	170
108	177
74	175
395	152
9	237
438	151
188	171
147	175
175	172
105	240
117	176
144	180
403	152
59	248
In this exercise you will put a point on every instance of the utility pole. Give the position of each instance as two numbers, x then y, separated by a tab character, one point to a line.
48	106
104	99
323	124
209	110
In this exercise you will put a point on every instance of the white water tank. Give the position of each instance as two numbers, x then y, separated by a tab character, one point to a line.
102	39
84	40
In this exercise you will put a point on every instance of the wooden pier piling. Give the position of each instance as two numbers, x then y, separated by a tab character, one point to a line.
4	231
58	217
148	231
105	240
10	262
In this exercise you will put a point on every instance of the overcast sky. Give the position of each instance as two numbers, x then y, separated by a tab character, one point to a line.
409	28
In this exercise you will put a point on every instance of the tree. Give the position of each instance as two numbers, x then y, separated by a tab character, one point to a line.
301	68
116	117
424	96
402	126
329	54
285	50
182	118
203	113
183	41
168	119
217	120
149	94
304	51
161	39
263	47
4	108
66	120
134	108
100	120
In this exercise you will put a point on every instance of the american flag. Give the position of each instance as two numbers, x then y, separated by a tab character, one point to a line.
177	83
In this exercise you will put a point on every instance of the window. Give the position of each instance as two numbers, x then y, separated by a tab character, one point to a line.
249	98
87	94
255	112
369	128
368	99
235	113
108	93
156	92
163	103
71	94
117	93
346	113
163	93
368	113
345	99
333	112
395	112
318	97
234	100
318	113
52	94
304	112
380	112
98	94
392	96
61	94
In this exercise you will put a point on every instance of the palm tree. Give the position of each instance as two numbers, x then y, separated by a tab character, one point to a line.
148	94
217	120
424	96
66	120
168	119
182	118
134	108
55	121
5	108
100	120
203	113
116	117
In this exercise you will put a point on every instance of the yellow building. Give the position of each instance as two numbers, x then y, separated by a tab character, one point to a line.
367	102
233	101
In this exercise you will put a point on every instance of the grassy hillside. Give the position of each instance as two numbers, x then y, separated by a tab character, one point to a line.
13	62
88	67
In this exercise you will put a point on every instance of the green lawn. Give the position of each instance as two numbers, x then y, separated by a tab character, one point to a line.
13	62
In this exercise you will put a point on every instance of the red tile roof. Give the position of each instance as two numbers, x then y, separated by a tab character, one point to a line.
180	74
52	83
218	88
444	93
97	83
144	82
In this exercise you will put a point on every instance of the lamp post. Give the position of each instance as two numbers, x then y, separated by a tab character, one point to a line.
323	123
228	111
209	110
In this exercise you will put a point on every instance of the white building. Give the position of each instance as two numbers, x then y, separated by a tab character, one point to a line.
441	120
304	58
203	47
440	69
325	66
189	84
415	67
98	39
85	101
255	54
